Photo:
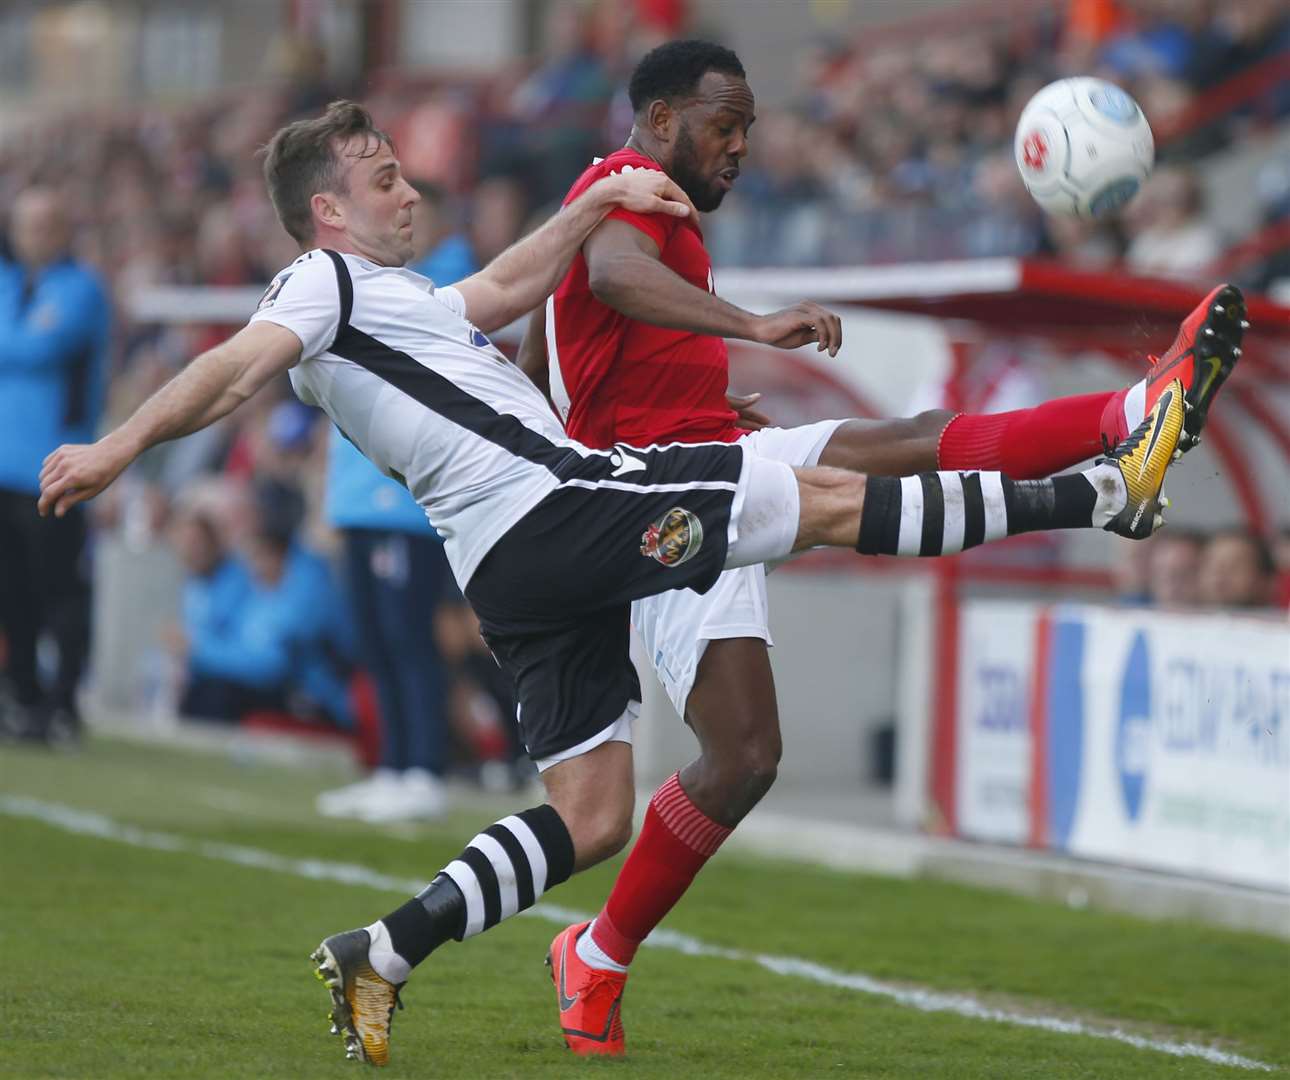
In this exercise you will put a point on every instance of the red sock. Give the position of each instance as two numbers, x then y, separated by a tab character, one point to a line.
675	841
1028	443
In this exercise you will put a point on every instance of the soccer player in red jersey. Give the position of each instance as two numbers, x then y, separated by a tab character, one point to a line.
630	349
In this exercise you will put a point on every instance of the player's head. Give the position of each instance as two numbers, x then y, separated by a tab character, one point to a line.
39	231
693	111
334	181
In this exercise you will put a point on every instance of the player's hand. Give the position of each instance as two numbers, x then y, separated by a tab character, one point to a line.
799	325
647	191
750	419
74	473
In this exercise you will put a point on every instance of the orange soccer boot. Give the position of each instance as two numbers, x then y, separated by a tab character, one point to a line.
1201	358
590	999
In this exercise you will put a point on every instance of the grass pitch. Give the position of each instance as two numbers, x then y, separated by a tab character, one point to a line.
127	961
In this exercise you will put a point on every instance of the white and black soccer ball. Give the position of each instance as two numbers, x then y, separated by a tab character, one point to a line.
1083	148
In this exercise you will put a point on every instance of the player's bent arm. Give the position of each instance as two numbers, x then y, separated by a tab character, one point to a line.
625	272
527	272
210	387
532	357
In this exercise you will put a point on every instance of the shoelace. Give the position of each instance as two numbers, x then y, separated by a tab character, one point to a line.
1129	444
598	979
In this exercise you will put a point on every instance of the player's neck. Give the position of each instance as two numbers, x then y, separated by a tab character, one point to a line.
345	245
634	142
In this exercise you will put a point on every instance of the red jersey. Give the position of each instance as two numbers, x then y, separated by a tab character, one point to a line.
615	379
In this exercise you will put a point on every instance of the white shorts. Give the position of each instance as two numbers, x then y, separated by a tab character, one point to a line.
675	627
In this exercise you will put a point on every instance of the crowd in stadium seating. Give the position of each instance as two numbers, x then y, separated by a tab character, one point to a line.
893	148
903	149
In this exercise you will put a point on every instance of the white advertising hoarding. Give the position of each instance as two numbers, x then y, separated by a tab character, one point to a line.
1185	746
996	659
1164	739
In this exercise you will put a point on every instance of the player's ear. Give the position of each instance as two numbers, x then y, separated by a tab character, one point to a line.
326	209
662	120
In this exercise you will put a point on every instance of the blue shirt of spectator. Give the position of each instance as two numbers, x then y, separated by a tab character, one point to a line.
53	358
290	634
212	602
448	262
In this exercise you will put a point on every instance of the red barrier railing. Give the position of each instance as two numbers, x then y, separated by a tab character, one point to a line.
1218	101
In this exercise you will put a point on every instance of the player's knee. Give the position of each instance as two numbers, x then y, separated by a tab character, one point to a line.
608	835
830	500
929	424
740	777
760	767
600	833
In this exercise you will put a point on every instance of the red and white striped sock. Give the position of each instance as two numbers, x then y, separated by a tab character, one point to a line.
675	842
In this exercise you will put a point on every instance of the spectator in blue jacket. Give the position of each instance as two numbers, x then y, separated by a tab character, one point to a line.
215	591
285	645
446	255
55	323
397	575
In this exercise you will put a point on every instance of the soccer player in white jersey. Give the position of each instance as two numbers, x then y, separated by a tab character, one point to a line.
550	541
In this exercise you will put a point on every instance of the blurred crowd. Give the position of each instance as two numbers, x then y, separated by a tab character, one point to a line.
901	150
893	148
1231	569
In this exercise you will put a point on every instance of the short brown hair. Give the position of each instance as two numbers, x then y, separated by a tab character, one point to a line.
302	160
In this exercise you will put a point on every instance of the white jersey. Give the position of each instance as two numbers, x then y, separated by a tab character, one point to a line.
422	393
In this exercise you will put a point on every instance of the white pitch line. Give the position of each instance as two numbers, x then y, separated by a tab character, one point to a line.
86	823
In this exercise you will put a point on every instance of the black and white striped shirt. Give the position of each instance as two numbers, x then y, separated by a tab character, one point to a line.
422	393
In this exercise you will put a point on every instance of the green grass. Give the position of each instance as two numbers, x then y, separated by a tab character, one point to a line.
127	962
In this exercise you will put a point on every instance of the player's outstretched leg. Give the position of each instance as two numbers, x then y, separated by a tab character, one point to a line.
1202	357
503	870
944	513
1059	434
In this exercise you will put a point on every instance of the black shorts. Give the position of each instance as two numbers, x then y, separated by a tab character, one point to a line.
554	595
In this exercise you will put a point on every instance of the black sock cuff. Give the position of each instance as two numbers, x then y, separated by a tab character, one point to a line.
443	902
1063	502
557	844
425	922
880	517
1076	501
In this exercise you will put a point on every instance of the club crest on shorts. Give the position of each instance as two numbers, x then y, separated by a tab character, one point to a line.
673	538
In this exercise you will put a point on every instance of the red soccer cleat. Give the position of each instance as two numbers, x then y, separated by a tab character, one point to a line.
1202	357
590	1000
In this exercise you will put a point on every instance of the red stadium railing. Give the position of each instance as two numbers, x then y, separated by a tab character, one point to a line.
1242	89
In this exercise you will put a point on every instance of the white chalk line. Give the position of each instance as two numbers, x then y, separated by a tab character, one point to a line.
86	823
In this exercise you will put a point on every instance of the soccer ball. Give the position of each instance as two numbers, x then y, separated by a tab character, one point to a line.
1083	148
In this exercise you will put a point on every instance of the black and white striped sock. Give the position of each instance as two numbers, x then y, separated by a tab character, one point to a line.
503	870
942	513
